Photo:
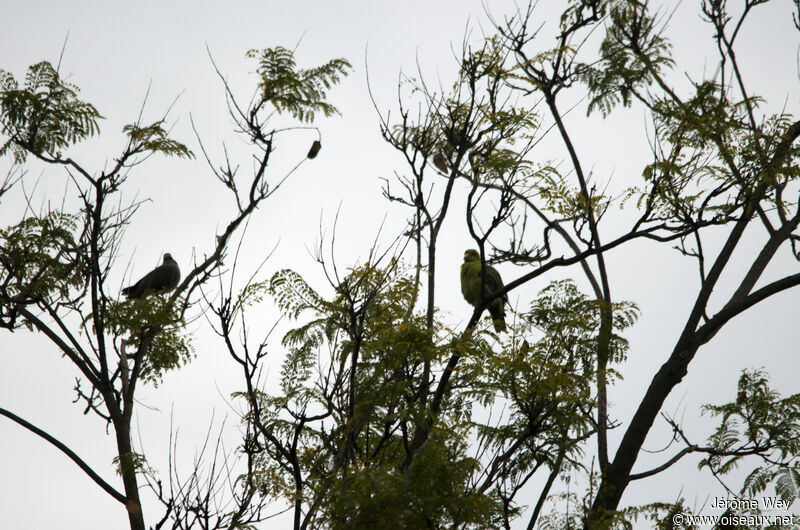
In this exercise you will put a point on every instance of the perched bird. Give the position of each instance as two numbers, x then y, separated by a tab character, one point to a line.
314	151
440	162
165	276
471	287
741	398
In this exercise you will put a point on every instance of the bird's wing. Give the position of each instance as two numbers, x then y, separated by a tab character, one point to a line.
494	282
165	276
137	289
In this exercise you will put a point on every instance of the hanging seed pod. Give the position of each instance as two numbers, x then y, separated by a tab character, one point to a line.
315	147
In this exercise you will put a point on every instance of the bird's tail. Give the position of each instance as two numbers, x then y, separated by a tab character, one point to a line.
498	316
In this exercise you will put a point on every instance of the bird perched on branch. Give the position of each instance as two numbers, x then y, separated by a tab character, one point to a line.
440	162
471	287
165	276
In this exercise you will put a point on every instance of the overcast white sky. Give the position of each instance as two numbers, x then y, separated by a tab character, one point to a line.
116	50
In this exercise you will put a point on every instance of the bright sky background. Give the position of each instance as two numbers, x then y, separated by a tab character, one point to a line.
116	50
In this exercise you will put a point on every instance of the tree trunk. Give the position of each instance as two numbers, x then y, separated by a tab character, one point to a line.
615	481
128	472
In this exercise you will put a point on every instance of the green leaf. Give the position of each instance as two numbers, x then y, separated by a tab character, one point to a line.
300	92
45	116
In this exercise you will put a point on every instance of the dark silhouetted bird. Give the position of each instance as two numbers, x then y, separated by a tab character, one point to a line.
440	162
314	151
471	287
165	276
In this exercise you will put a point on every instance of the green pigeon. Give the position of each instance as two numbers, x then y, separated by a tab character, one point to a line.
471	287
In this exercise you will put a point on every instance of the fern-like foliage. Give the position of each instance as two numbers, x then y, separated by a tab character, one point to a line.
45	116
135	462
293	295
153	138
39	261
463	123
571	321
300	92
351	363
168	346
354	364
760	422
546	382
633	52
787	483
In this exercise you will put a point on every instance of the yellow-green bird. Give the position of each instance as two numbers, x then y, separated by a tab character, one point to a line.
471	287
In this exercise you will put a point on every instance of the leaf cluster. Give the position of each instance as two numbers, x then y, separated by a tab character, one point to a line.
155	324
349	397
354	364
45	116
131	462
433	493
40	260
634	53
760	422
300	92
474	125
154	138
546	383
